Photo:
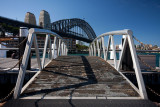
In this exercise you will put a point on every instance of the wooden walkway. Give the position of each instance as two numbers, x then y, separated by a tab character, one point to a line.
79	77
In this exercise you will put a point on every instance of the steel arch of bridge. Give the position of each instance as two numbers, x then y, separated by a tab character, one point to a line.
63	28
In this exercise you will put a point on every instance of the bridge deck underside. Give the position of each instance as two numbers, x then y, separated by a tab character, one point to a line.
79	76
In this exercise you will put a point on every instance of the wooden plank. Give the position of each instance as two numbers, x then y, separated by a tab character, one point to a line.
79	76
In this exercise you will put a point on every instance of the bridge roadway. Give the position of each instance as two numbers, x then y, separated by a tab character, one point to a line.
79	77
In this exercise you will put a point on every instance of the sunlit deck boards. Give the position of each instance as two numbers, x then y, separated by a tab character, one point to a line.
79	76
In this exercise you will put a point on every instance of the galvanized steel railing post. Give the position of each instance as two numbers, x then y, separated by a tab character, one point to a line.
62	48
37	52
103	46
59	46
44	51
50	50
91	50
66	51
108	45
54	43
137	67
23	66
114	52
100	47
94	49
98	50
122	53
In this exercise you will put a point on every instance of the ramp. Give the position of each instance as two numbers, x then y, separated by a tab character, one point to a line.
79	77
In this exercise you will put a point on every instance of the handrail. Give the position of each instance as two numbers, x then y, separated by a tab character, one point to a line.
109	49
118	32
62	50
98	44
42	31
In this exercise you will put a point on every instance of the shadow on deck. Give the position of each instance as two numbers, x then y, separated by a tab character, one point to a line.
79	76
73	81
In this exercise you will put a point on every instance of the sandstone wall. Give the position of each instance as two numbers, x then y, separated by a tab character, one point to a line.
30	18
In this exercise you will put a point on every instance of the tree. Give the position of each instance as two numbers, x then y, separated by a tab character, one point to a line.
9	28
81	47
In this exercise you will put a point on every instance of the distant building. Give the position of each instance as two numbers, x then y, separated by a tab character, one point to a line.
41	41
12	43
79	42
118	46
150	45
71	44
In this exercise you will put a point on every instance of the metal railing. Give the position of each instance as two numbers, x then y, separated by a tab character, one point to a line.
98	44
58	45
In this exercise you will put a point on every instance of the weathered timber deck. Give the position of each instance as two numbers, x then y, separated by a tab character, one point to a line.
79	76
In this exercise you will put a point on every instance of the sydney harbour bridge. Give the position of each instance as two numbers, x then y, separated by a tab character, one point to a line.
75	28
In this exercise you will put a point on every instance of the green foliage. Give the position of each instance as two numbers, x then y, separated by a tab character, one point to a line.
81	47
9	28
155	46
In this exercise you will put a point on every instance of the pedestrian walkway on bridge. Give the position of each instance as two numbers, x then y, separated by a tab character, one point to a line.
79	81
79	76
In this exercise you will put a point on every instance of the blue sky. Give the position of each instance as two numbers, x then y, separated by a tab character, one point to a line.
141	16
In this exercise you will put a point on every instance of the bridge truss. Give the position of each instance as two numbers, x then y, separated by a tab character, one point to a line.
74	28
98	48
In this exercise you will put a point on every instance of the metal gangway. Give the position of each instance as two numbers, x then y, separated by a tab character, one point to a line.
81	77
98	46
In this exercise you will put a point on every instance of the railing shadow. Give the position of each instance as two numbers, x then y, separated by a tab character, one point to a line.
91	79
88	69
